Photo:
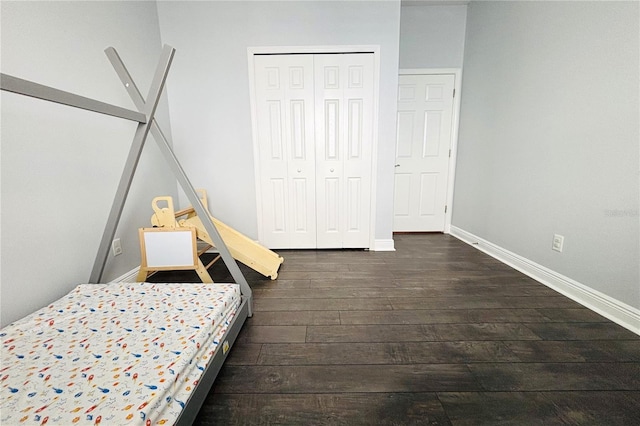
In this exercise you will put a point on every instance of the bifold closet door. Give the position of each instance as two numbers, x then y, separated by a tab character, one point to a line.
315	133
285	121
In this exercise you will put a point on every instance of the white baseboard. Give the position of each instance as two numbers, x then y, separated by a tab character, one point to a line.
129	277
383	245
615	310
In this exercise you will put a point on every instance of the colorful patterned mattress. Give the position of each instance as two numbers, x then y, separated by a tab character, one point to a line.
113	354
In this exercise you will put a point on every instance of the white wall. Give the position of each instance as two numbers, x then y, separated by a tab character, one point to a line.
549	137
432	36
61	165
209	89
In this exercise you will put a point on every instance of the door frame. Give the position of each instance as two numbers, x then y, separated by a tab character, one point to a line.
455	121
284	50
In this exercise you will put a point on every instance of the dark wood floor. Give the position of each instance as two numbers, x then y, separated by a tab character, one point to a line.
433	333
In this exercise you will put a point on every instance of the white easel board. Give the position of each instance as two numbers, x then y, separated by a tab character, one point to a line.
163	248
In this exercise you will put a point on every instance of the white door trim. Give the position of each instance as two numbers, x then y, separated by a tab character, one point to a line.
457	72
282	50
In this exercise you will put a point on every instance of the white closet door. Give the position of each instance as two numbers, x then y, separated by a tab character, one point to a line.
344	137
285	120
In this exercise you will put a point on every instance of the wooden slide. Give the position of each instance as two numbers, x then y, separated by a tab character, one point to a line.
242	248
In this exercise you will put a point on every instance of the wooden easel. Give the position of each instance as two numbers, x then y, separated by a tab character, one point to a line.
170	249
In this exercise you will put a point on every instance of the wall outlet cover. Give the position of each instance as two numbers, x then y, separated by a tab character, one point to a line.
117	247
558	242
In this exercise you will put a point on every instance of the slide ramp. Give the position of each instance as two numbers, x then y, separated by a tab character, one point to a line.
241	247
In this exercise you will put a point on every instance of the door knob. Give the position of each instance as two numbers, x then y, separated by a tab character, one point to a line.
299	170
397	165
331	170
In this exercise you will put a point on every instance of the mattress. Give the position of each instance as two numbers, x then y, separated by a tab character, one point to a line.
127	353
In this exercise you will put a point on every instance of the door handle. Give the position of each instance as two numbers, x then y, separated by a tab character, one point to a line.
331	170
397	165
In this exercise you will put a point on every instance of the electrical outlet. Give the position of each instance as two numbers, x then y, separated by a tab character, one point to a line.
117	248
558	242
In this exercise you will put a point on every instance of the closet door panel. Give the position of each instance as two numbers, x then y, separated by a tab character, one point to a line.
358	97
329	82
344	135
285	121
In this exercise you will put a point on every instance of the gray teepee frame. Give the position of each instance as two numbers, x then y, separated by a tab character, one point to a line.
145	116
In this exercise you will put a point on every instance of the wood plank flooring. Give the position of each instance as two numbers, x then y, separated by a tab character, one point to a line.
433	333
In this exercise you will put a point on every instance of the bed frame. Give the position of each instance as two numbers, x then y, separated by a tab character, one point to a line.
145	116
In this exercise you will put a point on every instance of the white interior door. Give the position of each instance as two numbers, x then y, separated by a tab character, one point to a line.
344	135
285	124
425	113
315	138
